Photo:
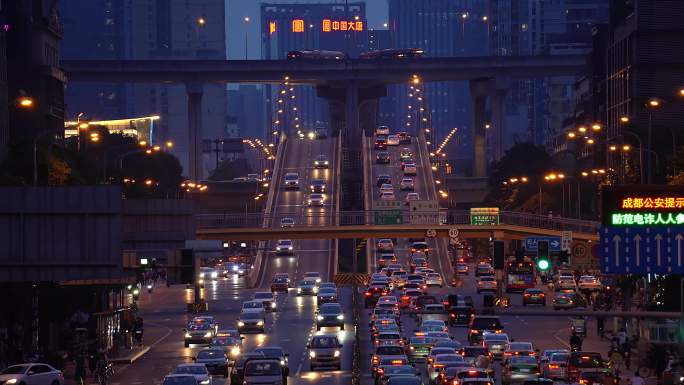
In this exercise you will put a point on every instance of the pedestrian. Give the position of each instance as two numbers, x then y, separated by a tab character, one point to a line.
616	362
636	379
575	342
600	325
622	337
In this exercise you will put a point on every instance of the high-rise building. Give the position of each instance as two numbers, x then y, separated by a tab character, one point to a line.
442	28
292	27
543	27
162	30
4	98
246	106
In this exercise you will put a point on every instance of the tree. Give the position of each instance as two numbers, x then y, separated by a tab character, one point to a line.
523	159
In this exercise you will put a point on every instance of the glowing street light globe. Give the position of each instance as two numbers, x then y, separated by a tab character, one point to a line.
543	264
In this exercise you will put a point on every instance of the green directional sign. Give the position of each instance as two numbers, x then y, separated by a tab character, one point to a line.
389	217
484	216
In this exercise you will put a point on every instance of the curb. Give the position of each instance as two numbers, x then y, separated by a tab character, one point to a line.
132	358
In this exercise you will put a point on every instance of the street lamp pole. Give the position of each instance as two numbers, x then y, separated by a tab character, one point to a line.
246	21
648	140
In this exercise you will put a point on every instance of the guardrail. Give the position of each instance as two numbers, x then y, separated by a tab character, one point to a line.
440	218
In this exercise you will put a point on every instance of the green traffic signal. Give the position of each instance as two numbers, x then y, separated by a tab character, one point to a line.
543	264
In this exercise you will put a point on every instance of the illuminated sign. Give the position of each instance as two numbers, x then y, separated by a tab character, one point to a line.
329	25
272	27
298	25
646	219
658	202
484	216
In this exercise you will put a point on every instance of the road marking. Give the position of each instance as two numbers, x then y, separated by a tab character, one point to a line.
299	368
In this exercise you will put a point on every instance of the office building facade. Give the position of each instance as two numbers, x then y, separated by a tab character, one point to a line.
163	30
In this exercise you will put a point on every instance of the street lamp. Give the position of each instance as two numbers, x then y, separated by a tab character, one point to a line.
25	102
201	21
245	23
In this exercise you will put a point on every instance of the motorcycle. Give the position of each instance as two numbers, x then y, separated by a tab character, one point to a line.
578	326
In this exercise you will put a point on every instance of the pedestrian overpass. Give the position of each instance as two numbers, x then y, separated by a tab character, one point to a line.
371	224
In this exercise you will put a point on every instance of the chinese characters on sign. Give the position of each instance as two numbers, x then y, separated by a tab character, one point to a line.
341	25
272	27
646	219
298	25
664	202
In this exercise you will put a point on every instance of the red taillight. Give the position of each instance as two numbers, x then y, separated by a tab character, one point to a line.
445	303
367	294
397	362
381	371
452	315
455	382
554	366
527	295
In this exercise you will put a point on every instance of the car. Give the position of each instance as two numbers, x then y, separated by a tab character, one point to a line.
410	169
486	283
483	269
214	359
382	130
237	374
199	371
457	300
381	352
442	361
307	287
31	374
554	366
392	140
583	361
386	259
207	273
278	353
534	296
257	307
412	196
589	282
495	343
279	285
433	324
564	301
263	370
462	268
480	324
287	222
324	351
382	157
285	276
565	282
386	187
404	137
198	333
232	346
316	276
460	315
177	379
291	181
434	279
373	292
457	374
386	373
316	200
327	285
330	315
382	179
419	247
518	348
598	377
284	247
267	299
326	295
317	186
234	333
417	262
388	337
518	369
321	161
251	322
385	244
470	353
387	196
478	381
404	380
380	144
407	184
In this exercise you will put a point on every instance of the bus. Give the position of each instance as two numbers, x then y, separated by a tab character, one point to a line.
519	275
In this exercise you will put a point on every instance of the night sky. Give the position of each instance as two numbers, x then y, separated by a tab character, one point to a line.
376	12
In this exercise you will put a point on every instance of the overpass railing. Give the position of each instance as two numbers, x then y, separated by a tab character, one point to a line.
311	217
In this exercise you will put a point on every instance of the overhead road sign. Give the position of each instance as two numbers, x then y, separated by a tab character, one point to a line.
484	216
642	230
531	243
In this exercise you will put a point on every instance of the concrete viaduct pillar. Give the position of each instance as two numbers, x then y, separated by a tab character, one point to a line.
195	91
479	90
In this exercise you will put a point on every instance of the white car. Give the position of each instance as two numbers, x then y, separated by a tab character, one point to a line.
316	200
565	283
386	187
313	275
387	196
287	222
321	161
589	282
284	247
199	371
412	196
407	184
385	244
31	374
253	307
291	181
267	299
392	140
486	283
410	169
434	279
382	130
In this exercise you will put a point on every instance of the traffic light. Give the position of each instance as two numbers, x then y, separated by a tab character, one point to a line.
498	255
543	262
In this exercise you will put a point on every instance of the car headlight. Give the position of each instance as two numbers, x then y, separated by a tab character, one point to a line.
309	201
290	248
187	335
299	290
241	271
11	381
312	354
260	323
315	289
320	318
318	280
241	324
207	334
214	274
337	353
340	316
282	362
201	275
326	163
273	305
205	382
277	248
235	268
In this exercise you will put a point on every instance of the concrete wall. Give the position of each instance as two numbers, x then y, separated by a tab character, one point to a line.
159	225
60	233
